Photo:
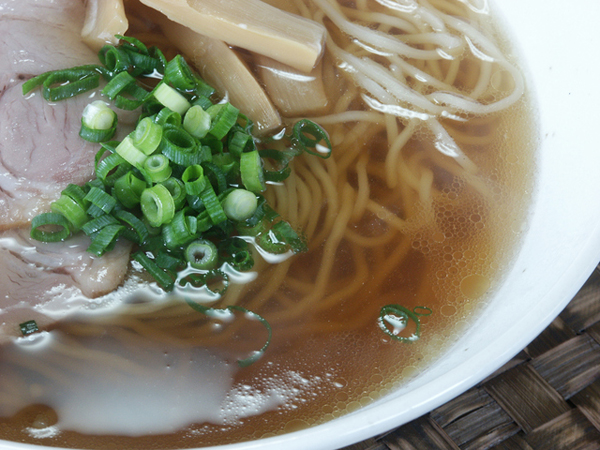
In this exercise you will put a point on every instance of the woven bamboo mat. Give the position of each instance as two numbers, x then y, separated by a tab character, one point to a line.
546	398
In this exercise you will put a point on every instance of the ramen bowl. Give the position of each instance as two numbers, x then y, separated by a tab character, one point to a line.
559	246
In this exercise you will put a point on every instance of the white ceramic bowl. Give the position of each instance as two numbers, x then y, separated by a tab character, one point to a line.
559	45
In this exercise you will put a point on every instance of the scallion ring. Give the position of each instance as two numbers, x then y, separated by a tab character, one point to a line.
224	116
157	167
50	227
98	122
179	75
177	190
170	98
196	122
147	135
157	205
128	190
252	172
240	205
71	210
202	254
194	180
309	136
161	277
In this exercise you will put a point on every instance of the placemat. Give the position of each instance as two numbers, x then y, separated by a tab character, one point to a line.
546	398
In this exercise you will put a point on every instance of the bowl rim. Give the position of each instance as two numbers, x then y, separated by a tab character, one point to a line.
580	250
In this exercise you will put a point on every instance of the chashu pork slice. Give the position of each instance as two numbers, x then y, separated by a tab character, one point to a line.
40	148
38	36
47	281
40	153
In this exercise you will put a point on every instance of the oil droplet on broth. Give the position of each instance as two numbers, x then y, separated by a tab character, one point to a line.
474	286
295	425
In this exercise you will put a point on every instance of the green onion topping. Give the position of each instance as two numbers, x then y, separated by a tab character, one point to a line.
184	184
394	319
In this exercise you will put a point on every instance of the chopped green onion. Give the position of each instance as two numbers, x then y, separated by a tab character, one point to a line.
111	168
132	45
269	242
158	168
157	54
194	180
213	205
161	277
145	64
236	252
96	224
130	153
203	90
105	239
309	136
117	84
180	147
202	254
216	176
28	327
203	222
216	281
177	190
402	313
147	135
179	75
94	211
284	232
50	227
180	231
136	96
101	199
229	166
115	59
166	261
167	117
98	122
216	145
136	226
244	229
76	193
63	84
259	214
195	158
172	99
281	157
239	142
128	190
197	122
71	210
157	205
240	204
224	116
203	101
252	172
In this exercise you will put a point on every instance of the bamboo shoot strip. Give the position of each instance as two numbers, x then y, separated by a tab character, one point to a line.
294	93
253	25
103	20
221	67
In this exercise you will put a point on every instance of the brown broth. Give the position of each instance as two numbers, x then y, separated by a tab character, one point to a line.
322	363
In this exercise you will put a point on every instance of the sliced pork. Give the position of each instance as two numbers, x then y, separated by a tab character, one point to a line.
40	36
45	281
40	149
40	154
